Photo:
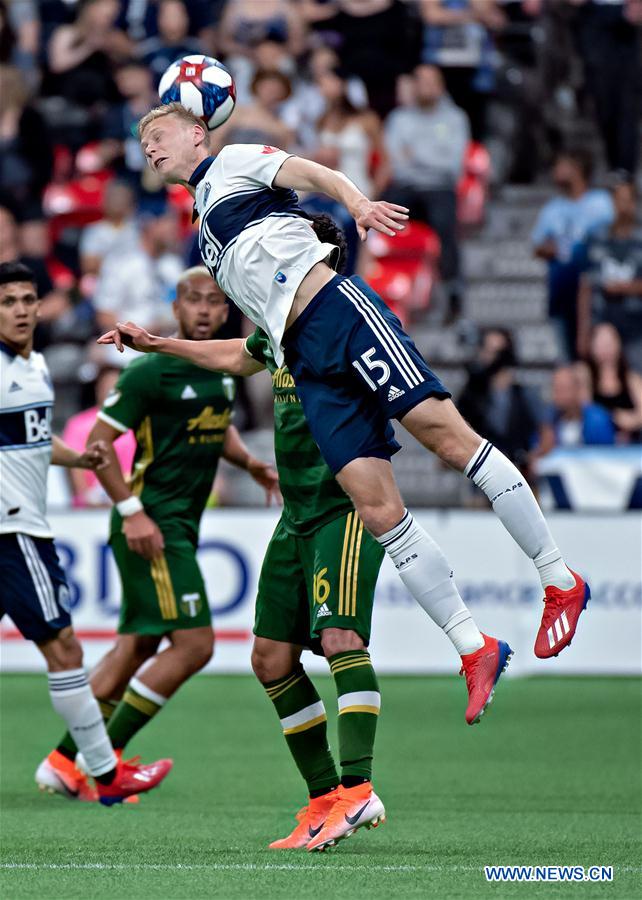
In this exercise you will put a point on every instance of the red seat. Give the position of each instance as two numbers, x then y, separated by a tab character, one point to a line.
182	202
62	277
75	203
472	190
403	268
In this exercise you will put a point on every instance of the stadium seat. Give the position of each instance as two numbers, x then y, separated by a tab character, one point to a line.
61	275
472	190
403	269
182	203
74	203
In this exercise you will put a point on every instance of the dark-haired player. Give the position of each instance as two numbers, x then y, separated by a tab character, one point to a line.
181	416
34	589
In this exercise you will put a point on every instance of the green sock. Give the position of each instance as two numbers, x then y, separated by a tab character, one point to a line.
304	725
359	704
138	706
67	745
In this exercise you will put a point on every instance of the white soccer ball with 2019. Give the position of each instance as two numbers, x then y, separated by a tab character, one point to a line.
201	84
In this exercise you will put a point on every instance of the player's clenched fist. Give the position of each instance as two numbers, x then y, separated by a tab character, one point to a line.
96	456
129	335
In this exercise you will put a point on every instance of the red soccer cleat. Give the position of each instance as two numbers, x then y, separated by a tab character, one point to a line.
356	807
482	670
133	779
311	820
58	775
562	611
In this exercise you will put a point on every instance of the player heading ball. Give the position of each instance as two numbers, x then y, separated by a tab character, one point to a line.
355	369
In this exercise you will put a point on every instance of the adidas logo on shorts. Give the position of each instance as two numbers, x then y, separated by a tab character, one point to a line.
323	611
394	393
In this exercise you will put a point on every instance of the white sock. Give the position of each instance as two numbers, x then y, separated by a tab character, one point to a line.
72	698
424	570
519	512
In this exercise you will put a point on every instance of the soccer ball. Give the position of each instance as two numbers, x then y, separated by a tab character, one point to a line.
201	84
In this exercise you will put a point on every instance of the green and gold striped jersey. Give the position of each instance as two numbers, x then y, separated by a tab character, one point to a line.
179	414
311	494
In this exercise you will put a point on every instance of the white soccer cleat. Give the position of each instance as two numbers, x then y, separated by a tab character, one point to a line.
58	775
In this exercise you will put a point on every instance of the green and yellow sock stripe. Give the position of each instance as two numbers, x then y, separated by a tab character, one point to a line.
107	707
349	571
342	662
360	702
164	588
304	719
277	688
142	704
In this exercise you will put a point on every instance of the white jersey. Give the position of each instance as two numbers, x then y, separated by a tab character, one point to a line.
254	238
26	407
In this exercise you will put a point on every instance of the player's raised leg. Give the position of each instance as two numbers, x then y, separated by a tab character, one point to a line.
388	379
439	427
427	575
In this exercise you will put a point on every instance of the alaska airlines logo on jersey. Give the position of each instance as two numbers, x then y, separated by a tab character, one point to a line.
283	386
282	378
208	420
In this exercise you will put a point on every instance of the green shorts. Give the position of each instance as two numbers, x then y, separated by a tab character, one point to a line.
166	594
324	580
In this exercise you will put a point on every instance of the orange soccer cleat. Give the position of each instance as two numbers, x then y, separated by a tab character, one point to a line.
562	610
482	670
57	774
310	819
132	779
355	807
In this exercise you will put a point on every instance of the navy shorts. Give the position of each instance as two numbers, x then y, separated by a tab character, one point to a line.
33	587
355	369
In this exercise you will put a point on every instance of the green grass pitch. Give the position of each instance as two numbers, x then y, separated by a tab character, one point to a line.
551	776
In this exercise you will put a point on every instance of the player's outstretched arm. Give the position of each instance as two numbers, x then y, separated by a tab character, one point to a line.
219	356
93	457
304	175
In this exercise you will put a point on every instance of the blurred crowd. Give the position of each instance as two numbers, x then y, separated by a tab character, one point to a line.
429	103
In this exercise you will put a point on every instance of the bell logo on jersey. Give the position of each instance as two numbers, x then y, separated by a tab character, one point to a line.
37	429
